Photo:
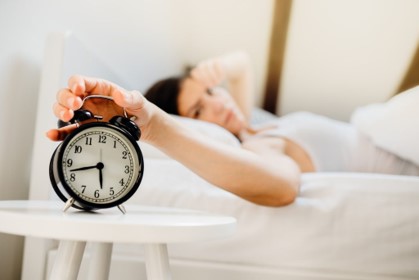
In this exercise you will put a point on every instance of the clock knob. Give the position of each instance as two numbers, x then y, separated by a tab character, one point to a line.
79	116
128	125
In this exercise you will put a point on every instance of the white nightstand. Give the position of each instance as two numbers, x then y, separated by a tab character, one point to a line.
154	227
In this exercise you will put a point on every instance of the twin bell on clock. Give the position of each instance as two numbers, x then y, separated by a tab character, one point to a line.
99	164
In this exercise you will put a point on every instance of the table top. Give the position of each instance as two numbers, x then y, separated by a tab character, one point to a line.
141	224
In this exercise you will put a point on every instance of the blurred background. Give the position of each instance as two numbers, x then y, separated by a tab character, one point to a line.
323	56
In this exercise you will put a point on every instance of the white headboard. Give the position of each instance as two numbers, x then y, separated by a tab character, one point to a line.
65	55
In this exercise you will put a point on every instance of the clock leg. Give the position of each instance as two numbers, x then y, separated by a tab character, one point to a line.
121	208
68	260
100	261
157	262
68	204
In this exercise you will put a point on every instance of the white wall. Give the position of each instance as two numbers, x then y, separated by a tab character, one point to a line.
207	28
343	54
340	54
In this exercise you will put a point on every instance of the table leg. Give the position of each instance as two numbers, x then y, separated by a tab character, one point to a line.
100	261
157	262
68	260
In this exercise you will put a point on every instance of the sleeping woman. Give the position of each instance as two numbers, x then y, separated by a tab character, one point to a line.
266	168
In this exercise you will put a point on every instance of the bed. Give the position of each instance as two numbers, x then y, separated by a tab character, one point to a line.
342	225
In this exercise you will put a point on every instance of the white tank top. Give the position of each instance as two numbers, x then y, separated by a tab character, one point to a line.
338	146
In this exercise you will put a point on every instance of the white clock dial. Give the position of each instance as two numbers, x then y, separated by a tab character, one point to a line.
99	165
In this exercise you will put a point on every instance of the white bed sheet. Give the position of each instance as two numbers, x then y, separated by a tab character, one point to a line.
343	224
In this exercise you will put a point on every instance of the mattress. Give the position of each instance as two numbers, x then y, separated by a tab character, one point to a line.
341	223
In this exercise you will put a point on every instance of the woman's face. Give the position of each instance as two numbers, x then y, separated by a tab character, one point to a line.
215	106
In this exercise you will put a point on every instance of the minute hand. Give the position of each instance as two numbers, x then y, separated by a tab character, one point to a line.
84	168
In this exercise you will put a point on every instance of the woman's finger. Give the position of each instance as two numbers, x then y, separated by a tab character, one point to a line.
195	74
68	99
206	72
61	112
83	86
60	133
132	101
218	71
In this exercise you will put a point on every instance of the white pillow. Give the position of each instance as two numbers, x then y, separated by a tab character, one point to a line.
394	125
210	130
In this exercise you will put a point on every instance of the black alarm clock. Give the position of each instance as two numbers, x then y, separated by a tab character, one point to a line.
99	164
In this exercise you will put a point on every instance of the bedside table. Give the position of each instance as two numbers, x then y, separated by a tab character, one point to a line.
154	227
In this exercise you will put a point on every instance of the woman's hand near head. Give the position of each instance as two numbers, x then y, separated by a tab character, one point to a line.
235	69
71	98
212	71
208	72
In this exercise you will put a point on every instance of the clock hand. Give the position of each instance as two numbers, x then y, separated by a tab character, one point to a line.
100	166
84	168
100	178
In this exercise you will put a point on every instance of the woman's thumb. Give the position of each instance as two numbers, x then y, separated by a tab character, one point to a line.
130	100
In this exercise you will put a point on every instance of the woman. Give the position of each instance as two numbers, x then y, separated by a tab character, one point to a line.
313	142
266	168
200	96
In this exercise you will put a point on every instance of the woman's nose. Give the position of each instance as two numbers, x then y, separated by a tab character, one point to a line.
218	106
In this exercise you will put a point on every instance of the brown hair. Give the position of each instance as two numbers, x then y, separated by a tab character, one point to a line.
164	94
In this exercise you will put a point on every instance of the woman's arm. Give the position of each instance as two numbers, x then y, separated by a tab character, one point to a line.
234	68
260	174
263	177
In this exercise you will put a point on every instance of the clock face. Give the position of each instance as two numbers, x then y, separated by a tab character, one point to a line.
100	165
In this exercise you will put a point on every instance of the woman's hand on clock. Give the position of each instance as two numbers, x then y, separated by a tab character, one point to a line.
71	98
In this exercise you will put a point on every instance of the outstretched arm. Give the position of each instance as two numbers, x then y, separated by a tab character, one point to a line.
267	178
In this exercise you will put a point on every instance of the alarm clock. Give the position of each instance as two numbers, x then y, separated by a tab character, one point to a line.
99	164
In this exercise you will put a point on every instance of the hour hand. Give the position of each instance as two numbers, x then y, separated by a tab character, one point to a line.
84	168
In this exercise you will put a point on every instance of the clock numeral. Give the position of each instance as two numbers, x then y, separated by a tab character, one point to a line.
102	139
114	144
124	154
89	141
72	177
83	188
111	191
77	149
126	169
69	162
122	182
97	194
